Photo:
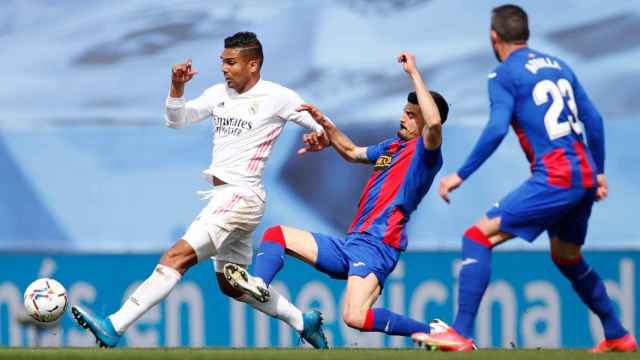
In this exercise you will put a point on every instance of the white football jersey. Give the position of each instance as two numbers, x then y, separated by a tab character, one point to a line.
245	127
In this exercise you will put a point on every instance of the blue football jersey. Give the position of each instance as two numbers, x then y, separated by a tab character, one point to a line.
539	96
403	173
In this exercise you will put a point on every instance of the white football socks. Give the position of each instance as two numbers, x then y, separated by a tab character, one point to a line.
163	279
157	286
279	307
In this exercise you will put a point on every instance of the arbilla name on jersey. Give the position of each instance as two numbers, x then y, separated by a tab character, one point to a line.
383	162
535	64
231	126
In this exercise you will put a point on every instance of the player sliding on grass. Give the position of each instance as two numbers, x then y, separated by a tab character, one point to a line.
541	98
404	168
248	114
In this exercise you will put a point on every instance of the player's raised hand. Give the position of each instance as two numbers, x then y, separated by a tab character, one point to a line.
314	142
315	113
181	73
408	62
448	184
603	188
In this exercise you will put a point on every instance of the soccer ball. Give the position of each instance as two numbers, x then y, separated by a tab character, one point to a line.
45	300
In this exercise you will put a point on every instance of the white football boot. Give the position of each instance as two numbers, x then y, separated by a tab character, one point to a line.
240	279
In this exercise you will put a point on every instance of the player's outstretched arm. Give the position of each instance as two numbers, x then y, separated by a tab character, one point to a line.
432	127
341	142
502	104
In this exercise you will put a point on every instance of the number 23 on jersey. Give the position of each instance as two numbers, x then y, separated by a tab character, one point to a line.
558	91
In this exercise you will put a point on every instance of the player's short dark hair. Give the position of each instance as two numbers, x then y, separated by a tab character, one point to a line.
441	103
247	42
511	23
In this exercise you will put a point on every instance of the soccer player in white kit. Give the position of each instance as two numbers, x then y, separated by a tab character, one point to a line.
248	114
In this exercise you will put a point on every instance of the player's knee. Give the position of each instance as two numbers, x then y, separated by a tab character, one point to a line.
563	253
565	258
354	317
274	234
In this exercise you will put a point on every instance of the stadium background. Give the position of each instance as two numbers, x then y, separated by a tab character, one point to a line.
94	188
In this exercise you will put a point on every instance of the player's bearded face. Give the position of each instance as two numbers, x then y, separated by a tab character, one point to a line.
235	69
408	125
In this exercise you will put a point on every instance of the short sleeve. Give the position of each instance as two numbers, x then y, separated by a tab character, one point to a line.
374	151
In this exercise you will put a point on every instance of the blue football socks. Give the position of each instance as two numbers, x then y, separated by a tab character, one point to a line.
590	288
388	322
474	279
270	257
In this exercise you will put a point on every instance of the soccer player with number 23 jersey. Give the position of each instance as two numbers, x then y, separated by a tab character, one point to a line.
540	97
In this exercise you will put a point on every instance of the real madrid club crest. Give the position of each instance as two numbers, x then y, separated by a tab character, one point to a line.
254	108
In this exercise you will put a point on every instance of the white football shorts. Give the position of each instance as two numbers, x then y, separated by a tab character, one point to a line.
223	229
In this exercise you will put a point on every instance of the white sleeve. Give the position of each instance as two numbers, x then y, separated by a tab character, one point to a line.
180	113
291	101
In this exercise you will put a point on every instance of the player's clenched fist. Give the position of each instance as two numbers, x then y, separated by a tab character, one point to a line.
181	73
408	62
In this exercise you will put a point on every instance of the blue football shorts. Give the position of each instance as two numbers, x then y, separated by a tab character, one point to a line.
534	207
357	255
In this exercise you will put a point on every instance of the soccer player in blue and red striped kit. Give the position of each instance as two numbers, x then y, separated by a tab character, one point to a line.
540	97
404	168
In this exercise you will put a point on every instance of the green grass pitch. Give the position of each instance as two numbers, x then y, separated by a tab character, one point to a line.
297	354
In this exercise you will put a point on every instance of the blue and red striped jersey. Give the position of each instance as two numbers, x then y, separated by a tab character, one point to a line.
403	173
540	97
